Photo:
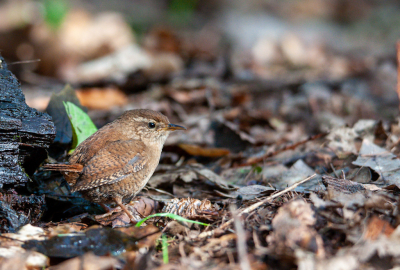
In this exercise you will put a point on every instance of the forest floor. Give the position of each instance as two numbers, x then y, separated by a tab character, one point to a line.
289	161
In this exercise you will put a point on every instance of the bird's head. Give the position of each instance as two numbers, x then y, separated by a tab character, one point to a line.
149	126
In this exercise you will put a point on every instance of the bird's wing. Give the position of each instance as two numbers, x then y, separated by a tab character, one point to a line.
112	164
92	145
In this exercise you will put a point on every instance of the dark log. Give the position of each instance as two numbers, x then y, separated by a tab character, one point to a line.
17	210
25	133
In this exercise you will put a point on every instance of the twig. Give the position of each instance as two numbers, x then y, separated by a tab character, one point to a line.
240	241
256	160
256	205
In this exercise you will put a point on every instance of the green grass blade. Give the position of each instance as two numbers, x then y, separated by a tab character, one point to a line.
169	215
164	245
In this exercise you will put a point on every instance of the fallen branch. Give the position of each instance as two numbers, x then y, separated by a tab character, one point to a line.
252	161
255	206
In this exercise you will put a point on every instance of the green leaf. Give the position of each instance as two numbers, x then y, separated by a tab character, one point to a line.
169	215
82	125
164	244
55	12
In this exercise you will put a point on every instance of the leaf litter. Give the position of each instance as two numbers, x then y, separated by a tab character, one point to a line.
287	172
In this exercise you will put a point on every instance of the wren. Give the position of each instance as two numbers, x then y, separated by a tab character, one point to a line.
117	161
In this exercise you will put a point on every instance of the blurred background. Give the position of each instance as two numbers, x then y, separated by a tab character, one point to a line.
331	61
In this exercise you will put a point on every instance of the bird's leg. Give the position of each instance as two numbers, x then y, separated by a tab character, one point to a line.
109	211
106	208
119	202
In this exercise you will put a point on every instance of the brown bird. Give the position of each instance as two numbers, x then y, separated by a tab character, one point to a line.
117	161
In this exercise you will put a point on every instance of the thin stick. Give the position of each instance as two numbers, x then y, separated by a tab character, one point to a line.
241	242
24	62
252	161
256	205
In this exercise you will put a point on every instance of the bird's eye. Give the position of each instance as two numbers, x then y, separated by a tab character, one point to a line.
152	125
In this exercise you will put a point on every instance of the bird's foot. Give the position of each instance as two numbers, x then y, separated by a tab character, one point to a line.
123	207
109	211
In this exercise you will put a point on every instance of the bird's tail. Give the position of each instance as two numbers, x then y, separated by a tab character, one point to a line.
63	167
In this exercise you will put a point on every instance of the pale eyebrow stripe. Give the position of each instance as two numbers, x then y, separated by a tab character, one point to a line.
141	119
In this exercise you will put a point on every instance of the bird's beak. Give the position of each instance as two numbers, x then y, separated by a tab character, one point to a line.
172	127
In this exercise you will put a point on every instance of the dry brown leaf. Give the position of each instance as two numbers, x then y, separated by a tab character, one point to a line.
66	228
139	209
193	96
188	174
162	39
195	150
377	227
26	233
19	259
147	235
293	230
101	98
89	261
175	228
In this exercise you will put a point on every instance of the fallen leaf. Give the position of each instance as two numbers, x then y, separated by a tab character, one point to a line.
101	98
386	164
249	192
377	227
195	150
89	261
189	173
293	230
298	171
17	258
343	139
147	235
139	208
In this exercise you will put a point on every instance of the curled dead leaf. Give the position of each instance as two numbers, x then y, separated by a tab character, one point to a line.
139	209
195	150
